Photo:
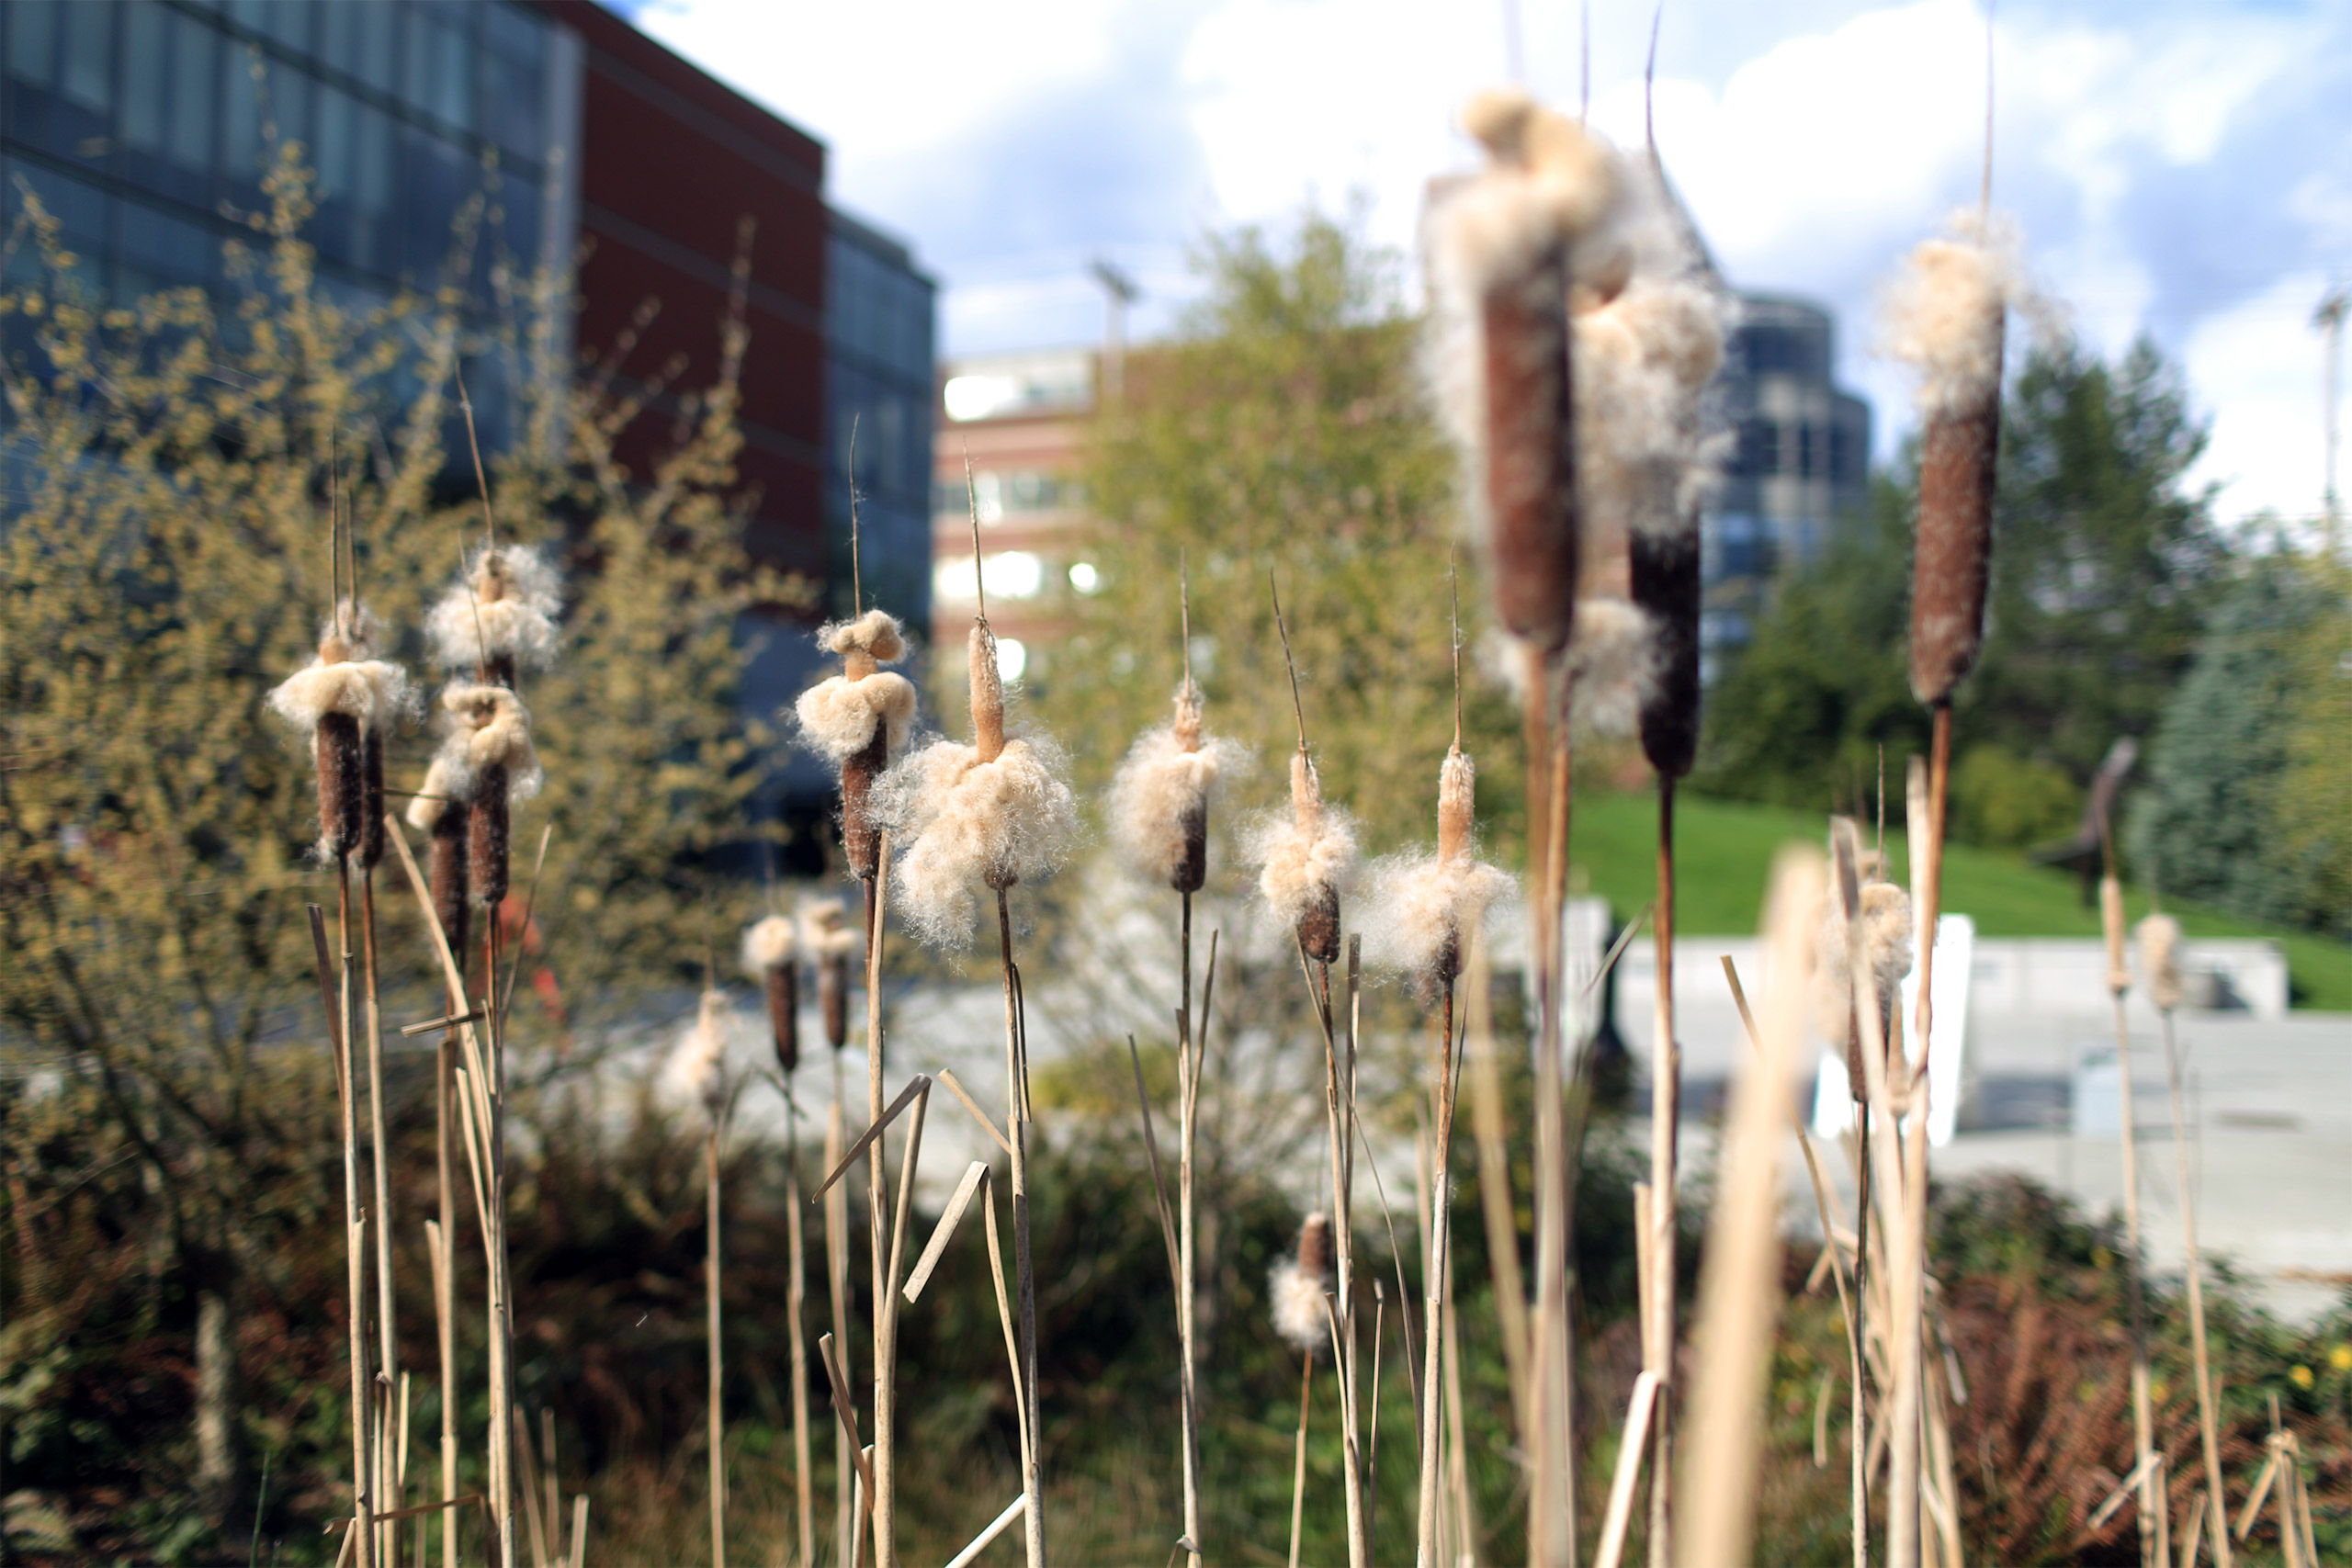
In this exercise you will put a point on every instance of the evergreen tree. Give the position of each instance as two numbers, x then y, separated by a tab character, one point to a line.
2201	828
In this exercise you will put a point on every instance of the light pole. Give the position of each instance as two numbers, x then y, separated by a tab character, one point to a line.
1119	291
2329	319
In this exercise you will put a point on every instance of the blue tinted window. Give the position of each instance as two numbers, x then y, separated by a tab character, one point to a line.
193	53
159	253
80	213
378	44
240	145
439	78
144	25
514	95
32	39
434	183
85	75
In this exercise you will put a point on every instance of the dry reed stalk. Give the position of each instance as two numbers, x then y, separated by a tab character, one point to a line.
1665	1114
1552	1511
1493	1193
1738	1292
1463	1513
772	953
1298	1465
718	1415
360	1538
795	1303
837	1284
2143	1424
2159	949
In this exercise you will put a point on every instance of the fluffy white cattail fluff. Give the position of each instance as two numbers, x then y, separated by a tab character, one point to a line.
343	679
1424	904
987	815
838	716
2160	960
432	797
1612	666
1944	314
1886	950
1159	798
1642	361
502	611
699	1068
1304	859
1297	1286
876	635
490	728
768	942
824	930
1502	246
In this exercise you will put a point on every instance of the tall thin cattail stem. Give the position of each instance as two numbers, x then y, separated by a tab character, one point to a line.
718	1365
501	1304
837	1284
1017	1132
1552	1511
355	1236
796	1305
2144	1423
1666	1110
2207	1429
883	1504
387	1325
1441	1095
1187	1101
444	1286
1857	1417
1298	1465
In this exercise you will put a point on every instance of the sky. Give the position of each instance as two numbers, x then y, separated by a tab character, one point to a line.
2181	168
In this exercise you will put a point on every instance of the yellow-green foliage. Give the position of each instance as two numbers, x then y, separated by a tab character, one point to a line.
1285	431
164	561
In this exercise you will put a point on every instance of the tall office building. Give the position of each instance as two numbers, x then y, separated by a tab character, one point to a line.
1801	463
147	127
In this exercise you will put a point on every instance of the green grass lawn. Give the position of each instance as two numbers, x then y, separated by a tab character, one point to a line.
1724	852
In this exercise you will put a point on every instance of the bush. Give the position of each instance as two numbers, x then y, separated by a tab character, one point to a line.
2003	801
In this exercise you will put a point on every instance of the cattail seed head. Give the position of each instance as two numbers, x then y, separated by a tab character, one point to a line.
858	720
968	817
500	616
1946	317
988	692
1159	798
700	1066
2160	960
488	761
1502	250
832	997
1666	588
371	797
447	868
488	835
342	786
1298	1285
1423	905
771	955
830	944
1886	953
1304	859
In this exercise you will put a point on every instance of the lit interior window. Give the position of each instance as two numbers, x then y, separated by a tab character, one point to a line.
977	397
1083	577
1008	574
1011	658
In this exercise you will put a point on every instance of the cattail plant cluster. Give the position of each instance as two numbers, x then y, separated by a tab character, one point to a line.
1880	936
771	957
1945	318
1305	860
987	815
1160	799
487	761
859	720
1422	905
346	698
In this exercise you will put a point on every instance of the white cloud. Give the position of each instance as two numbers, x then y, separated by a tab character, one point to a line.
2258	367
2174	168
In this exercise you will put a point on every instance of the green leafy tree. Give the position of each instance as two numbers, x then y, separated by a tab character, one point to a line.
1283	432
164	561
2205	825
2314	809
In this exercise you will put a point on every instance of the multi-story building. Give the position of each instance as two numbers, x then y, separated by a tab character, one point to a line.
1020	420
1801	465
551	129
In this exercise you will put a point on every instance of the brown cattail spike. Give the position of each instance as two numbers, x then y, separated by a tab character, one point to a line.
1529	476
446	866
1319	922
832	999
988	693
1315	1250
1946	317
2110	914
861	841
784	1014
341	785
2160	961
487	832
1666	587
371	796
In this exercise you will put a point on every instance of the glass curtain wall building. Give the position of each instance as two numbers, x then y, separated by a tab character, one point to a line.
878	329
